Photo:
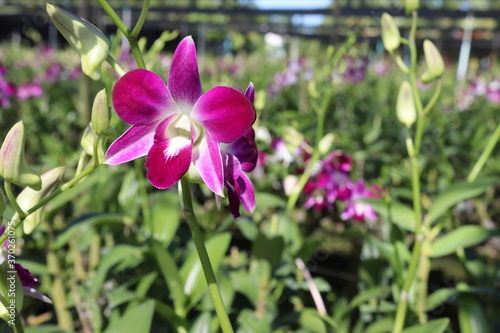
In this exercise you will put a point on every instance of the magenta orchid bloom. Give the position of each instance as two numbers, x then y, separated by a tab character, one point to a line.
176	125
355	208
239	157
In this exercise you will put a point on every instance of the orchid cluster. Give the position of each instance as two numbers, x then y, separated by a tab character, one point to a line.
478	88
47	70
291	76
332	183
181	129
354	71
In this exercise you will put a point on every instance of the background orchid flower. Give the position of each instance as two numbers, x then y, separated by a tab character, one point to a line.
239	157
177	125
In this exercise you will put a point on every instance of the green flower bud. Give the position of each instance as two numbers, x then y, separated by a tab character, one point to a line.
101	115
390	33
405	108
411	5
326	143
434	61
87	142
13	166
84	37
29	198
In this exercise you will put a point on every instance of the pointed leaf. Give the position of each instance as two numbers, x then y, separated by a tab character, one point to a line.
457	193
434	326
137	319
462	237
397	212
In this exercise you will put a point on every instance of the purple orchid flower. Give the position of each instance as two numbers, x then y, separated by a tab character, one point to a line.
356	209
177	125
239	157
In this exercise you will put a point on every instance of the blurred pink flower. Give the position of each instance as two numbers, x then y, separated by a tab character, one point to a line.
29	90
356	209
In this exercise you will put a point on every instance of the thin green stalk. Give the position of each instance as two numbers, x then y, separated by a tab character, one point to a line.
112	62
114	16
136	52
141	20
13	201
144	194
294	197
51	196
484	155
187	204
414	154
434	98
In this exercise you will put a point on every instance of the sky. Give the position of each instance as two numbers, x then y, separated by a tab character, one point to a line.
307	20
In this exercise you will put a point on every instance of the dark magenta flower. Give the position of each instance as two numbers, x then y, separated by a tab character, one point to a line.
239	157
356	209
177	125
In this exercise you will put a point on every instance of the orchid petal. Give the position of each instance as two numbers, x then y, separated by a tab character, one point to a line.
234	200
250	92
225	113
208	161
247	193
245	150
141	97
134	143
168	159
184	80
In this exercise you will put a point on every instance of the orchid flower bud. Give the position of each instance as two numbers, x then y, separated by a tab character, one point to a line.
84	37
411	5
87	142
390	33
101	115
405	108
434	61
29	198
13	165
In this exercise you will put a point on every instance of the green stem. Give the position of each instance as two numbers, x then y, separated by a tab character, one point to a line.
144	194
414	154
141	20
112	62
51	196
484	155
294	197
136	52
187	202
434	98
13	201
114	16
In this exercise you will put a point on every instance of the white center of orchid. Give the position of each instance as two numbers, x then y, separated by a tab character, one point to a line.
175	145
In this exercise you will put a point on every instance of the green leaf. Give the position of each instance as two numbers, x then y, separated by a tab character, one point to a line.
372	293
191	272
384	325
266	200
118	254
80	225
46	329
471	315
439	297
396	212
310	320
172	278
165	218
457	193
434	326
462	237
136	319
269	249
